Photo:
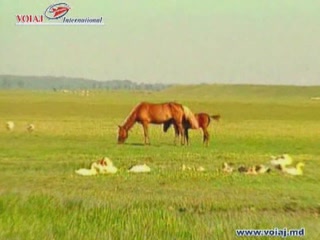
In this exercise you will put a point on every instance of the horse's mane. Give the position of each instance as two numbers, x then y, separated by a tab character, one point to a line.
130	119
190	117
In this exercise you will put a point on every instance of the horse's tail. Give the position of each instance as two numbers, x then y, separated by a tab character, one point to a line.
216	117
189	116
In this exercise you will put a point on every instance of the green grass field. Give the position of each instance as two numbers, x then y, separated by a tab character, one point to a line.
41	197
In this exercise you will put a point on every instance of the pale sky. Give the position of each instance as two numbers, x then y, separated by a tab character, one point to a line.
169	41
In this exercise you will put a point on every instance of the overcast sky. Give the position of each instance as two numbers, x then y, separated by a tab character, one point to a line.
170	41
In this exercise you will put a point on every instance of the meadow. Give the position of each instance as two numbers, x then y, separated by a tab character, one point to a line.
41	197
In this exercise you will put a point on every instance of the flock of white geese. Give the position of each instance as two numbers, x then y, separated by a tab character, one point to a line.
10	126
105	166
282	163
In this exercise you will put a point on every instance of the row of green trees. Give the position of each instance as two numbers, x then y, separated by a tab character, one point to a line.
57	83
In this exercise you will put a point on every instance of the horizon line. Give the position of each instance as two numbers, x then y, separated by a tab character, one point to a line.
195	84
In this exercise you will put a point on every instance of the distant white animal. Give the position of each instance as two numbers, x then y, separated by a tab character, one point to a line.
262	169
281	161
227	167
192	168
184	167
251	171
103	166
106	161
30	128
139	168
248	170
298	170
10	125
108	169
88	172
106	166
201	169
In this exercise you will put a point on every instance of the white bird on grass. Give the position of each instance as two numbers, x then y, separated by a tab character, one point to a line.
106	166
227	167
248	170
108	169
103	166
10	125
251	171
30	128
193	168
281	161
139	168
262	169
298	170
201	169
184	167
88	172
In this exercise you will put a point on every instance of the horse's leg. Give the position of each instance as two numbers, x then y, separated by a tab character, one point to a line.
146	134
206	136
176	133
181	131
186	134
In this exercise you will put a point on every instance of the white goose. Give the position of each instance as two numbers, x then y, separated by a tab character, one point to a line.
106	166
185	167
139	168
227	167
103	166
298	170
10	125
281	161
251	171
201	169
30	128
88	172
262	169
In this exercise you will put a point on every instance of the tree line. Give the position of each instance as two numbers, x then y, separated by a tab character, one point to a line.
59	83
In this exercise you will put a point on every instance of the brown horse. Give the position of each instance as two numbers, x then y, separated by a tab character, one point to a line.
203	120
146	113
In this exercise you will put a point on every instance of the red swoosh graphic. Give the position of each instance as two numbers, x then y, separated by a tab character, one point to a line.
59	11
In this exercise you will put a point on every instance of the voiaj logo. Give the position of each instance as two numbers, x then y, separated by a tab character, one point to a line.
55	14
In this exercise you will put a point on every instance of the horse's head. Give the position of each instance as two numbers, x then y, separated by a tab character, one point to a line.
122	134
166	125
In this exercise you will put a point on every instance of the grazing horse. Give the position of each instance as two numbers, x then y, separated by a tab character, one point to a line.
146	113
203	120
